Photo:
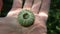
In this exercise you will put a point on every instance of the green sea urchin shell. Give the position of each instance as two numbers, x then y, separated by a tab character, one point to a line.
26	18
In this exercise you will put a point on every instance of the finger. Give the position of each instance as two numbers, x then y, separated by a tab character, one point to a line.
36	6
28	4
17	4
44	8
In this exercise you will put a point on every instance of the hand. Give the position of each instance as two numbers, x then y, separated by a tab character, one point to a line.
10	25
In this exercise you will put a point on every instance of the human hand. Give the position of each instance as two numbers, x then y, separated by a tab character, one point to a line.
10	25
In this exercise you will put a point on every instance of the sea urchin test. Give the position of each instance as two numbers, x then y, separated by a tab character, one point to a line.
26	18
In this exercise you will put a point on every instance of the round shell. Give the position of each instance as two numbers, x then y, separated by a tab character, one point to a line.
26	18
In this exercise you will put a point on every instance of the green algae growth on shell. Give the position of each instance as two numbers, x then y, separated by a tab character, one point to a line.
26	18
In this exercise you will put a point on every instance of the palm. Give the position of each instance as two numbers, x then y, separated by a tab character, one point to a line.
10	21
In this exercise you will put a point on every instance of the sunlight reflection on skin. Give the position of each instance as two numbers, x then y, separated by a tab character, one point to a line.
43	14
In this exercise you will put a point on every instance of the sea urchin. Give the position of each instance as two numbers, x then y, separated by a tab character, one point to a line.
26	18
